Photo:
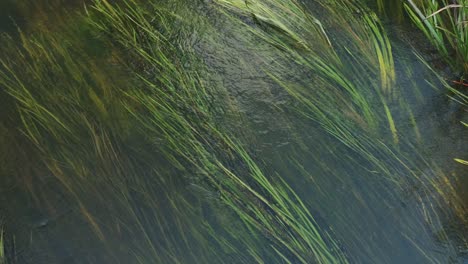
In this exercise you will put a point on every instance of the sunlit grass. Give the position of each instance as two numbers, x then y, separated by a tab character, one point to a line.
445	24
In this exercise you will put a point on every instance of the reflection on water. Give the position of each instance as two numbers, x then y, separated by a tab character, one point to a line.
111	192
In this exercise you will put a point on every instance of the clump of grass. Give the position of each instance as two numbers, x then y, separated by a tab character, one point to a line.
344	74
445	24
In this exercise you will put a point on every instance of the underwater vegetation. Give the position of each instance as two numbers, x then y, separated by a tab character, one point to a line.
227	131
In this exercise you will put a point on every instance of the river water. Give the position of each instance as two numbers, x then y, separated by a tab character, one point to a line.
415	214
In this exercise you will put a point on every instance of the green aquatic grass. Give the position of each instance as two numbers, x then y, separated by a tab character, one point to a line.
445	25
304	241
355	72
83	134
133	134
67	135
337	83
375	49
336	80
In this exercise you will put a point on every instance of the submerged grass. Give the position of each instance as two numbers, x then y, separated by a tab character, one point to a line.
83	137
335	81
297	234
355	72
131	130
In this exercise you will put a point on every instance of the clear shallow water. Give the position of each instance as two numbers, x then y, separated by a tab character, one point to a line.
373	220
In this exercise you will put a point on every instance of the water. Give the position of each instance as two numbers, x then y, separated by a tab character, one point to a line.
372	219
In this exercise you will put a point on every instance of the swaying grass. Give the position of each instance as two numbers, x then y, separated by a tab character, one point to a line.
84	137
131	131
445	24
303	240
353	89
335	81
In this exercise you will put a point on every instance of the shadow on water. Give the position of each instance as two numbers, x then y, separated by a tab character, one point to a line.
372	219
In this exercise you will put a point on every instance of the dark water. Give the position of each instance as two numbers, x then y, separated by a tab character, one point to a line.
375	220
